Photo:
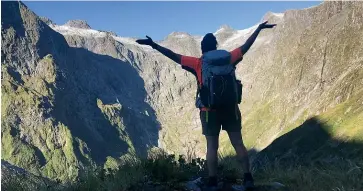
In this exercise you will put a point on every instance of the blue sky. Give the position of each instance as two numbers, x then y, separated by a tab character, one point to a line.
158	19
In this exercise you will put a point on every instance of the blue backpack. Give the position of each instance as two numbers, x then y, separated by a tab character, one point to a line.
220	88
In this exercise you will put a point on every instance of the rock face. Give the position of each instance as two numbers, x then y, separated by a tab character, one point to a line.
310	65
73	96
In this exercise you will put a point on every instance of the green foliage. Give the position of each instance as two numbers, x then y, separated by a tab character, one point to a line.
161	171
163	167
336	174
346	119
53	142
14	150
62	162
111	163
113	114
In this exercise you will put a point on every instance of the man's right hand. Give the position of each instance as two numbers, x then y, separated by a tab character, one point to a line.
147	41
264	25
166	52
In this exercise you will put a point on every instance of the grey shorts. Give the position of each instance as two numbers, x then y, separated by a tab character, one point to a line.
228	119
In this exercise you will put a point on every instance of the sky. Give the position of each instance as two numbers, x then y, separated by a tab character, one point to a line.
159	19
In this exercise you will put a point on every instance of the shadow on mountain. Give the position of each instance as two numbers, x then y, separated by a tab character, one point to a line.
11	17
310	141
306	158
89	77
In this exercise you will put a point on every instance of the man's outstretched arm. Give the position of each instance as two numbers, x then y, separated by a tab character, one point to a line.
247	45
166	52
239	52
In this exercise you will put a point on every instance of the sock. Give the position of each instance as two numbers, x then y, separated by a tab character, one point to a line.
212	181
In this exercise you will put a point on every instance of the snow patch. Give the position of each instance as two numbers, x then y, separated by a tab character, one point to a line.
241	34
219	31
180	36
224	28
314	6
125	40
67	30
279	15
131	41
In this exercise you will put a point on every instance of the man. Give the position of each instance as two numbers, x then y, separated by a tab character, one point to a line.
211	119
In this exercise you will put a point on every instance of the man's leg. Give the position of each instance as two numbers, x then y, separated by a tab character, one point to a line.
211	127
212	155
232	124
242	154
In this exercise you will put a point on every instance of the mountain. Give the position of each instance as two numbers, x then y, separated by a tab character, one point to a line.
66	107
73	96
310	66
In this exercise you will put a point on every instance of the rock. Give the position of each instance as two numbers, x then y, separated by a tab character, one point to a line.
277	185
78	24
192	186
47	21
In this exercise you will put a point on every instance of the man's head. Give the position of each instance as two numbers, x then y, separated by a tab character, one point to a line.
209	43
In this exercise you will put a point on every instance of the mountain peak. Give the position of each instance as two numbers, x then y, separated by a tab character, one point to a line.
224	28
179	34
272	17
47	21
78	24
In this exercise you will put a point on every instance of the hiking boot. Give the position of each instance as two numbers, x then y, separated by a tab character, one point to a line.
248	182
